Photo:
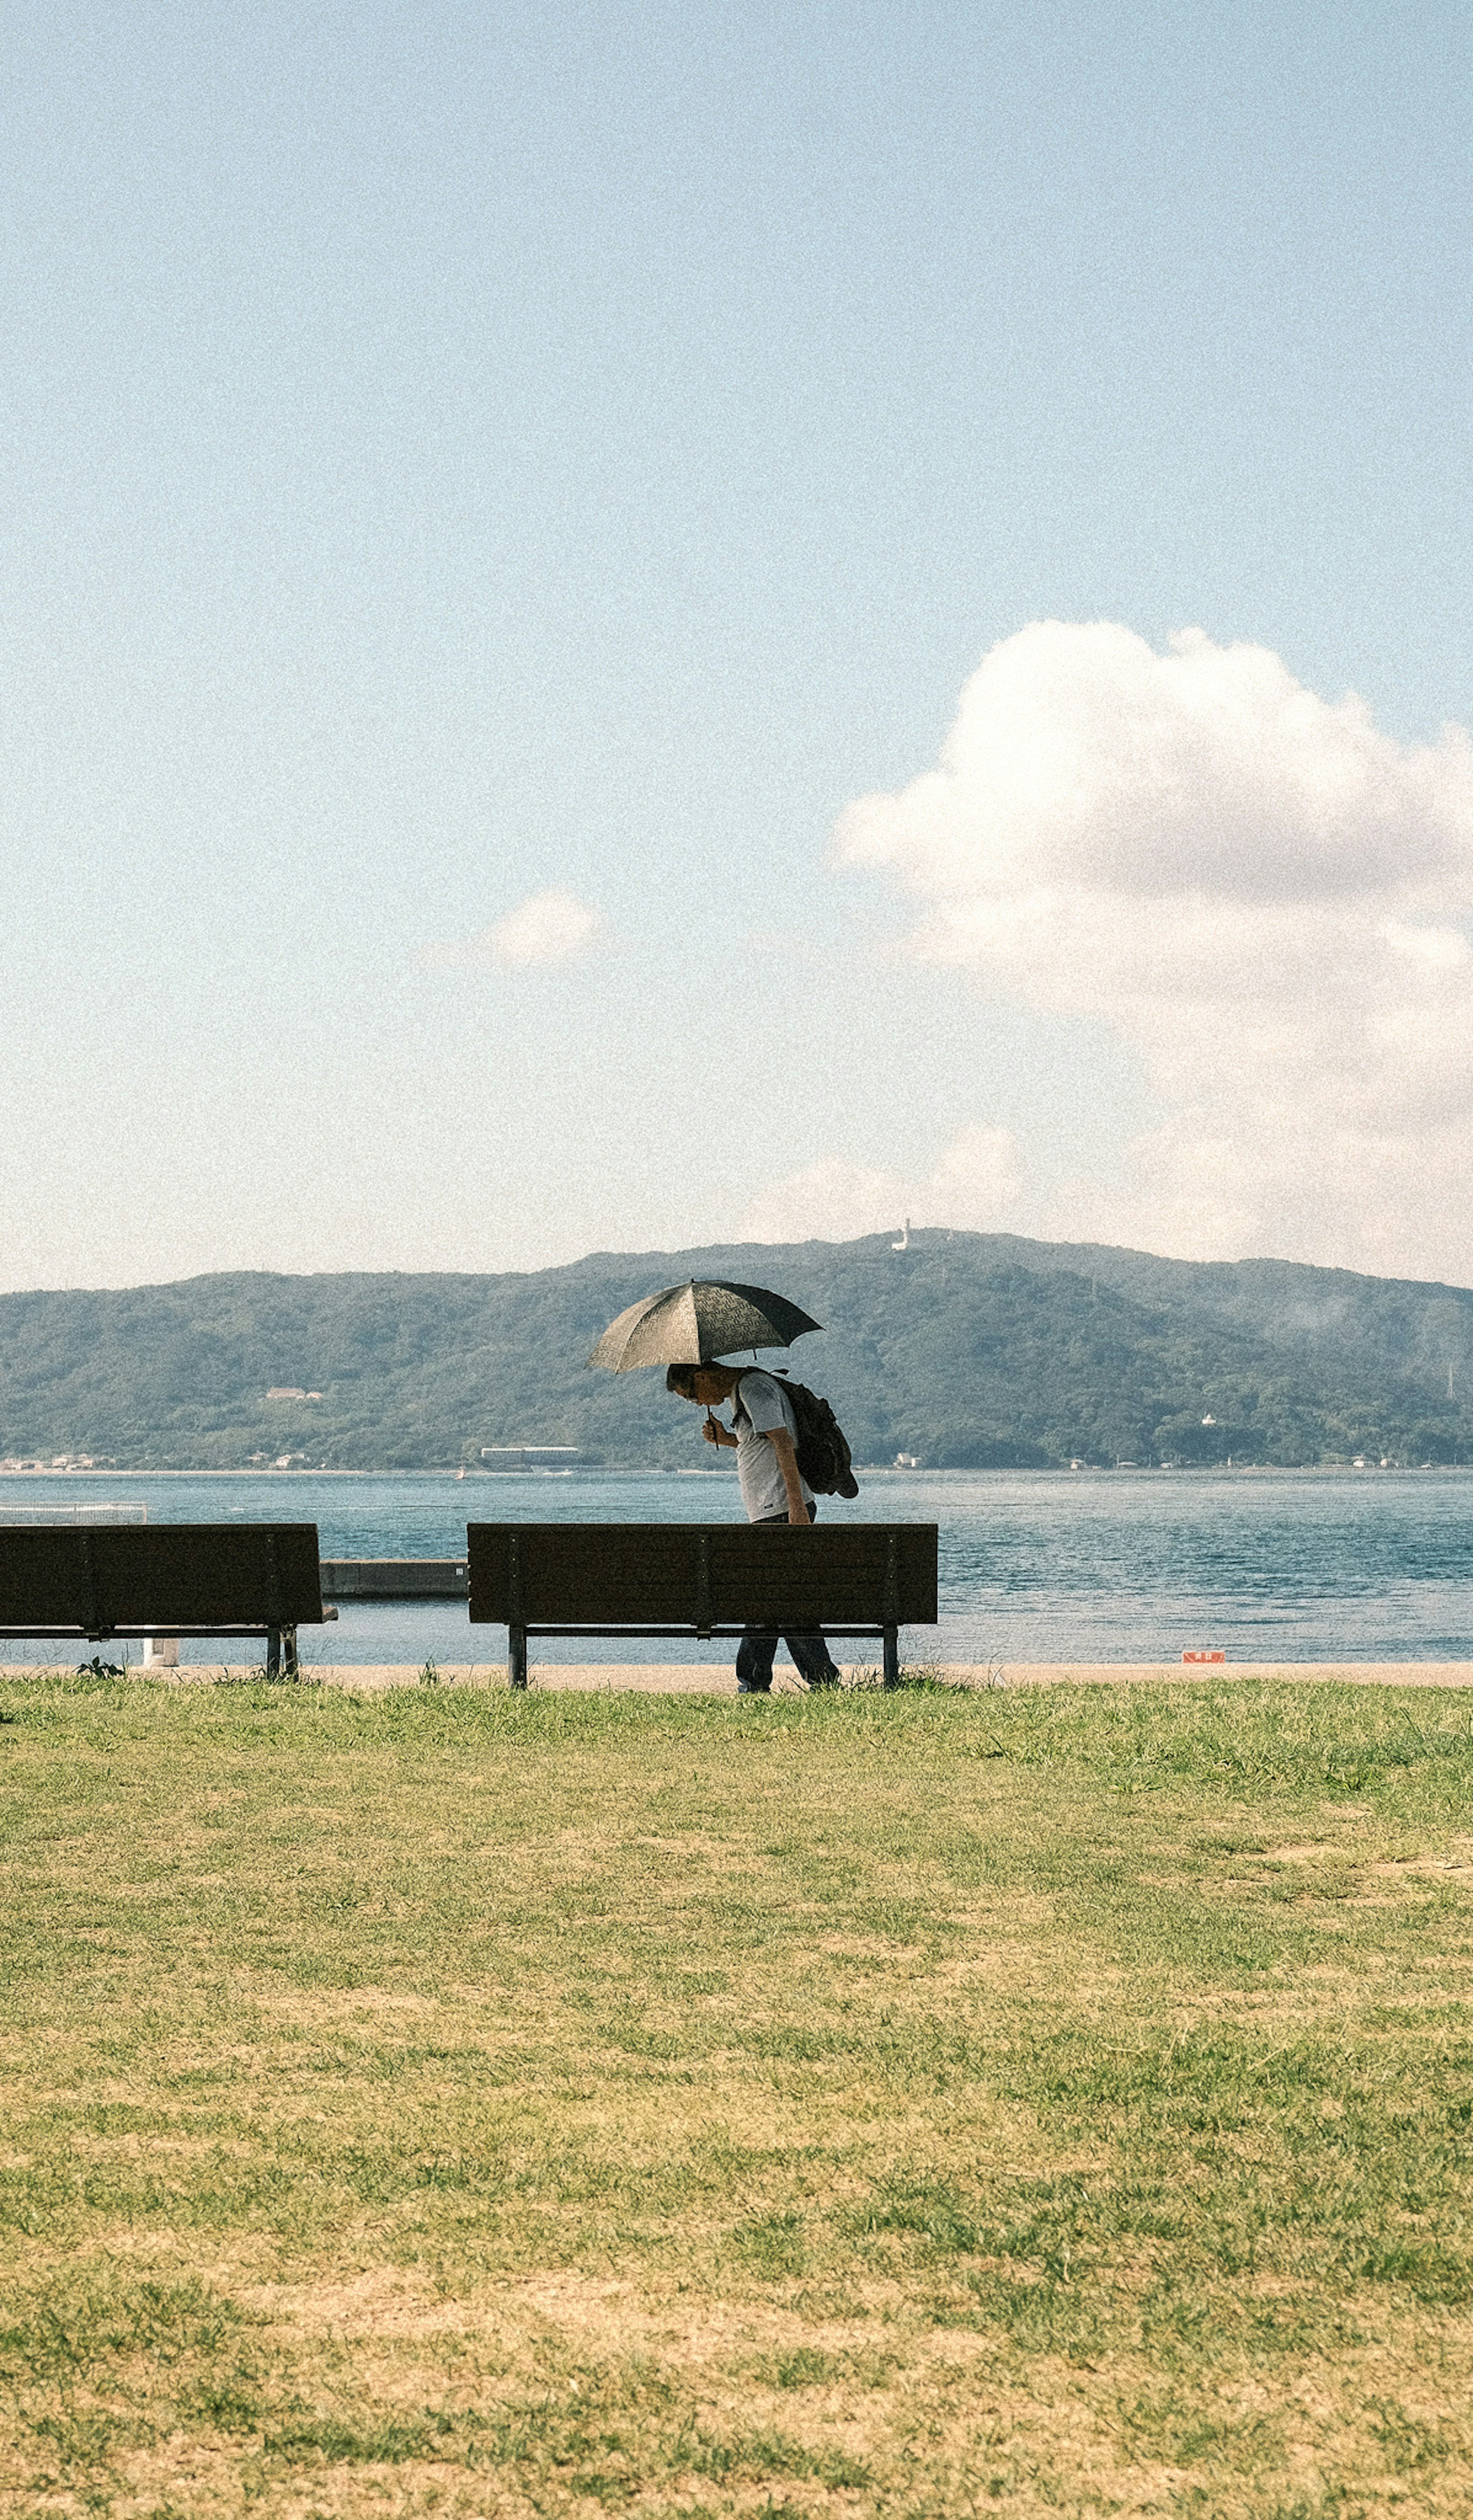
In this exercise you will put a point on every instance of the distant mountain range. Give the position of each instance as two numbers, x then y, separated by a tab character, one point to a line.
970	1350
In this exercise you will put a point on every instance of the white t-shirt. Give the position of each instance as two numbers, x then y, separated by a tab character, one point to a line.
759	1403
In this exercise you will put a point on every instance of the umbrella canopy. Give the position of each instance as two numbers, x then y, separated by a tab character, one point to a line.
693	1323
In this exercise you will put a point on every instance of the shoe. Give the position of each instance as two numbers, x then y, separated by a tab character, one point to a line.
754	1689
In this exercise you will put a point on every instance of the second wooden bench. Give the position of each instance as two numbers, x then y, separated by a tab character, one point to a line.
189	1579
702	1579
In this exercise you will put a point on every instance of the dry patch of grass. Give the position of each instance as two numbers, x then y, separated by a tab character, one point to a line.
450	2104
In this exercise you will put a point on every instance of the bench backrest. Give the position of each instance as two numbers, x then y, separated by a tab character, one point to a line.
204	1574
702	1574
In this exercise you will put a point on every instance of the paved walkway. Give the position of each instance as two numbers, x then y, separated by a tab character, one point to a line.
717	1680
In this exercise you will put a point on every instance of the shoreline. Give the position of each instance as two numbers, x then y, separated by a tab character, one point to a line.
863	1469
715	1679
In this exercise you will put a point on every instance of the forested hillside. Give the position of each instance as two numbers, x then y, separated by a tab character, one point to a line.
966	1349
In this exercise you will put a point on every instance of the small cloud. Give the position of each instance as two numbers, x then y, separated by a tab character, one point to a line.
974	1185
547	929
1445	948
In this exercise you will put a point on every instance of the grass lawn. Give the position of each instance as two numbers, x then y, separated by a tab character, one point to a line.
1031	2101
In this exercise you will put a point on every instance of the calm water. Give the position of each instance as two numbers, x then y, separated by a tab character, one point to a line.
1036	1567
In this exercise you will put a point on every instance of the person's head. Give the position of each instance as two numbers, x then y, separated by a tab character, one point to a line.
706	1385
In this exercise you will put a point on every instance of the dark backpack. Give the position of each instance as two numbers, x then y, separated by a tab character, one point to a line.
822	1451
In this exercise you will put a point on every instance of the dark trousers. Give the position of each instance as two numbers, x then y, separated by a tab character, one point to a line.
754	1654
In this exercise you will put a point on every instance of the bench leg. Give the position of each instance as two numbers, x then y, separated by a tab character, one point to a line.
273	1654
289	1651
892	1657
516	1658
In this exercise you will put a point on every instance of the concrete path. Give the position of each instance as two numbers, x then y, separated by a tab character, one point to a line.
717	1680
711	1678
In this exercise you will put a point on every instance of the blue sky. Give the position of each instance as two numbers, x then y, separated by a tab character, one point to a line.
460	454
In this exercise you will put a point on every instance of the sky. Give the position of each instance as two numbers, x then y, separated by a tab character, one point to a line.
625	627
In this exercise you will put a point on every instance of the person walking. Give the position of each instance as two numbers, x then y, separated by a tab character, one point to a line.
764	1436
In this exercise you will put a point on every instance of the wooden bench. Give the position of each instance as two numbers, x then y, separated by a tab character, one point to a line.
195	1579
702	1579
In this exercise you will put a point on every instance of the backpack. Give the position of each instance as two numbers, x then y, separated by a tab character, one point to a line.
822	1451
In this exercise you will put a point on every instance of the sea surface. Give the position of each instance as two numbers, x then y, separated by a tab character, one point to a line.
1036	1567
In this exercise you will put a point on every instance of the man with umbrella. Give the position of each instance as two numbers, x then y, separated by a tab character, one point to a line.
696	1323
764	1436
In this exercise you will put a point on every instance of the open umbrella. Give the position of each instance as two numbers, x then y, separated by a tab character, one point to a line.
693	1323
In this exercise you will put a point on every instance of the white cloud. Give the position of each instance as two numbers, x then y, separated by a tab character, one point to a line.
975	1185
548	927
1259	890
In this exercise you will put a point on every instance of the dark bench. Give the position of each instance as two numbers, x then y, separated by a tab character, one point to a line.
702	1579
193	1579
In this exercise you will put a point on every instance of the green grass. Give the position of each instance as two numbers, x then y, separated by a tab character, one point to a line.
921	2104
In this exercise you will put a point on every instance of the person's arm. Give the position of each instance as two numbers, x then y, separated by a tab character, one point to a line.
715	1433
788	1463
